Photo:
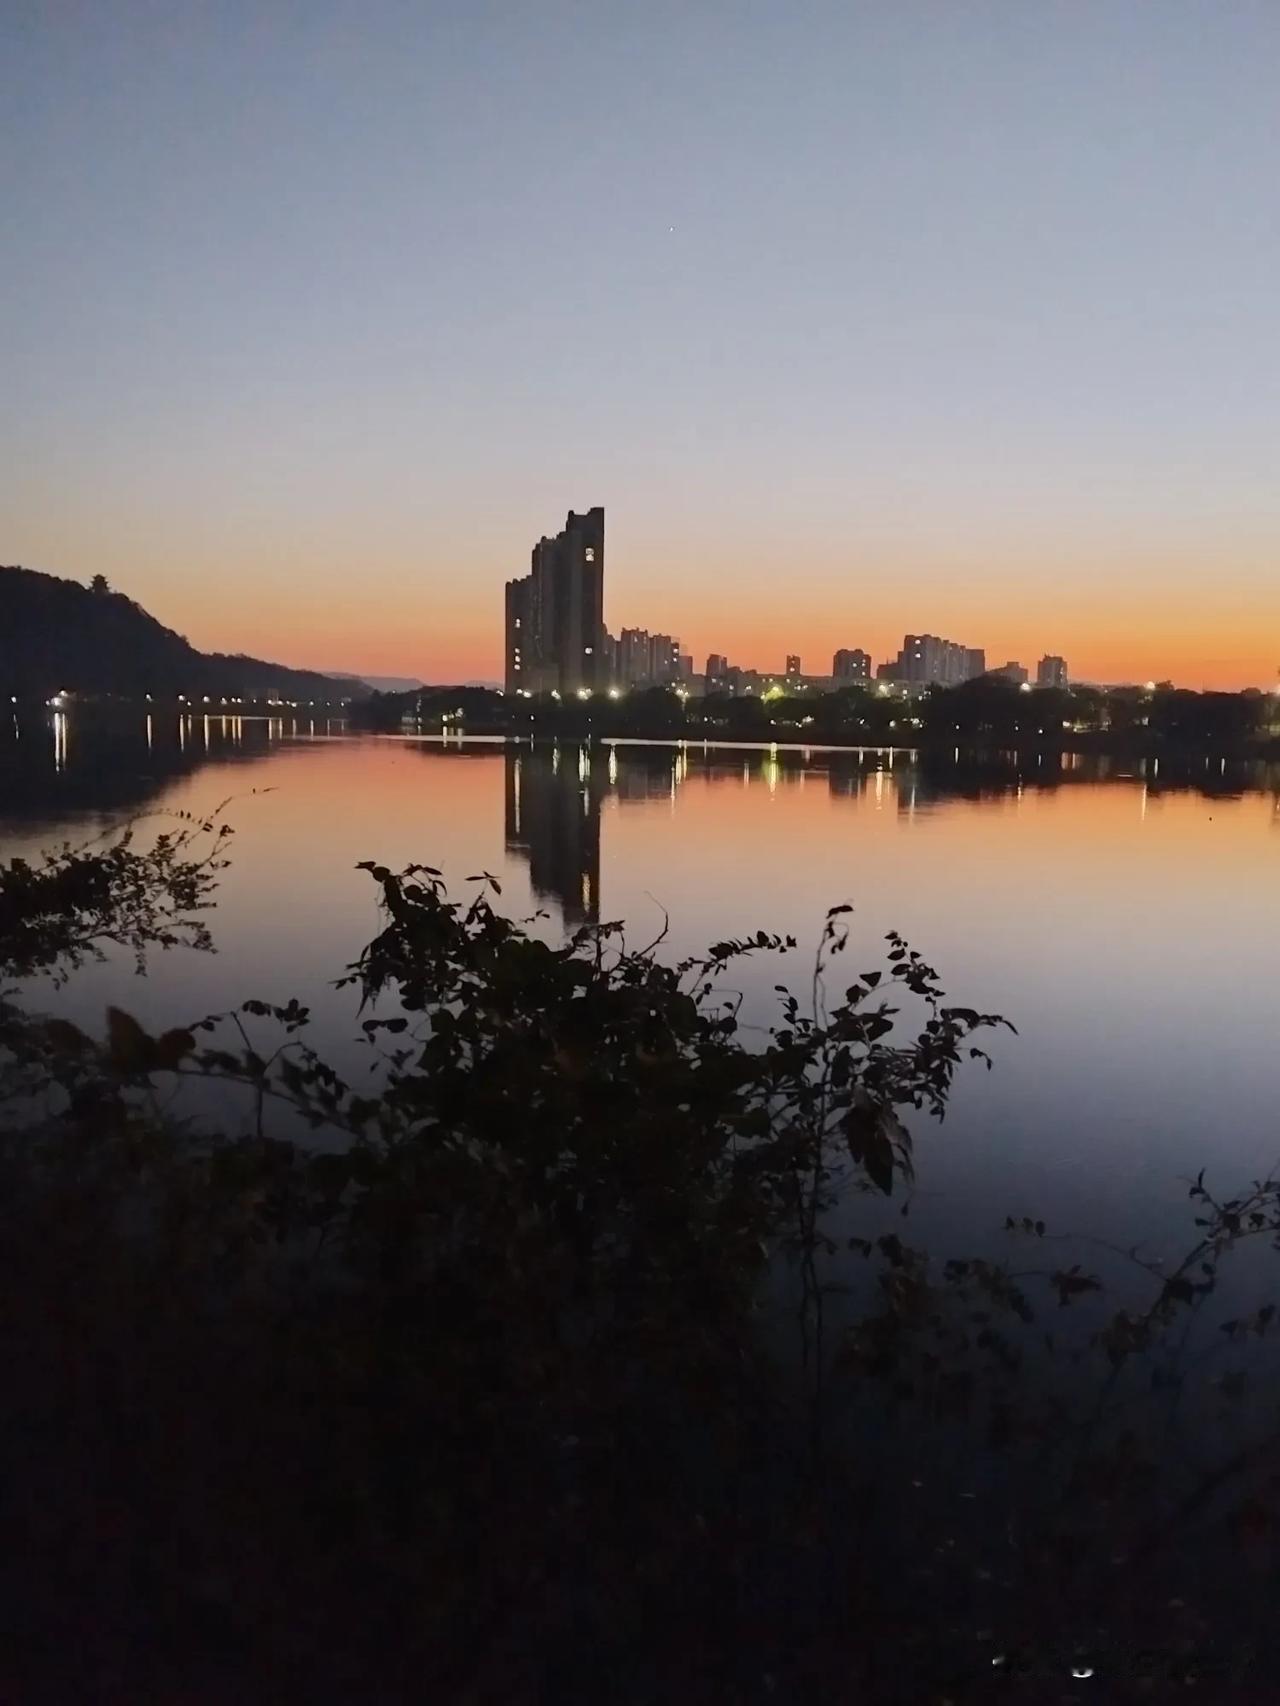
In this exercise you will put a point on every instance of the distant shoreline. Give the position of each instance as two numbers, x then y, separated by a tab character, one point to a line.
1071	746
1131	745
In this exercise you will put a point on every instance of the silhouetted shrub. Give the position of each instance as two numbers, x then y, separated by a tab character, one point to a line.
461	1383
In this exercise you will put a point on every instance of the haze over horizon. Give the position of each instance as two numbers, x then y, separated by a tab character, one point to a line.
857	319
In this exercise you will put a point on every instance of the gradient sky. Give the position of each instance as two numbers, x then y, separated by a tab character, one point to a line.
857	318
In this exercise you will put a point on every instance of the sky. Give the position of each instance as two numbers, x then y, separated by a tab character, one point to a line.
858	319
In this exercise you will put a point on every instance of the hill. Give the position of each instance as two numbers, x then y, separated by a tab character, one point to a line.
381	683
56	634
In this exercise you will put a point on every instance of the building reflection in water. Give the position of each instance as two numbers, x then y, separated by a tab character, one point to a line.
552	802
555	795
552	819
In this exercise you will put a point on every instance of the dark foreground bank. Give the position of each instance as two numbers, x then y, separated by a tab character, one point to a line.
515	1370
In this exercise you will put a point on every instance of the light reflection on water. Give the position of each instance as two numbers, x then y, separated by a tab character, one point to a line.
1122	914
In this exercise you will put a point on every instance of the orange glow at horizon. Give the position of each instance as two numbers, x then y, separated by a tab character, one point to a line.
1200	610
1116	628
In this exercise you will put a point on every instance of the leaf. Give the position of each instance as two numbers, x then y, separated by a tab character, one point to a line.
868	1142
65	1037
879	1164
128	1045
1072	1284
172	1048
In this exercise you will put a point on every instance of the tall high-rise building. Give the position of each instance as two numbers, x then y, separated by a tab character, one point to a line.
717	665
1012	671
793	663
519	661
555	614
851	665
1051	672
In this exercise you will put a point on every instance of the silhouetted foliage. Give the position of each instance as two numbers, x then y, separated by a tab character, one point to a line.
482	706
1206	719
76	902
457	1383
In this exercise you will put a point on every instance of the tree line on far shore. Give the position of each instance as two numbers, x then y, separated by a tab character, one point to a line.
986	712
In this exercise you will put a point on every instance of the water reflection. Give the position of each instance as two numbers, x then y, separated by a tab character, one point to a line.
555	795
65	766
551	818
1136	954
61	763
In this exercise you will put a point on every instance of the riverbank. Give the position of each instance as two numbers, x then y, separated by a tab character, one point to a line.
1119	750
978	716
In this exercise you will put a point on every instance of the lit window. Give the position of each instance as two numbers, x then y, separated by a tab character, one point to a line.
591	553
587	650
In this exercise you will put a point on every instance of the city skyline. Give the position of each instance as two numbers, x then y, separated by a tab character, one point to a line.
556	640
892	317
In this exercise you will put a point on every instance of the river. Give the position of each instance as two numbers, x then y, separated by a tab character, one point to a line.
1126	922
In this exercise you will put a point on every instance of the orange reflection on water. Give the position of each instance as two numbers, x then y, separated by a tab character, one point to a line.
1126	923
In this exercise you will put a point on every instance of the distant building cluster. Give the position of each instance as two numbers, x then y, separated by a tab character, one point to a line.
557	642
638	658
1011	671
851	668
926	660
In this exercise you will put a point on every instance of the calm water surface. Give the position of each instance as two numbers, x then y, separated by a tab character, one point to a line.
1127	924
